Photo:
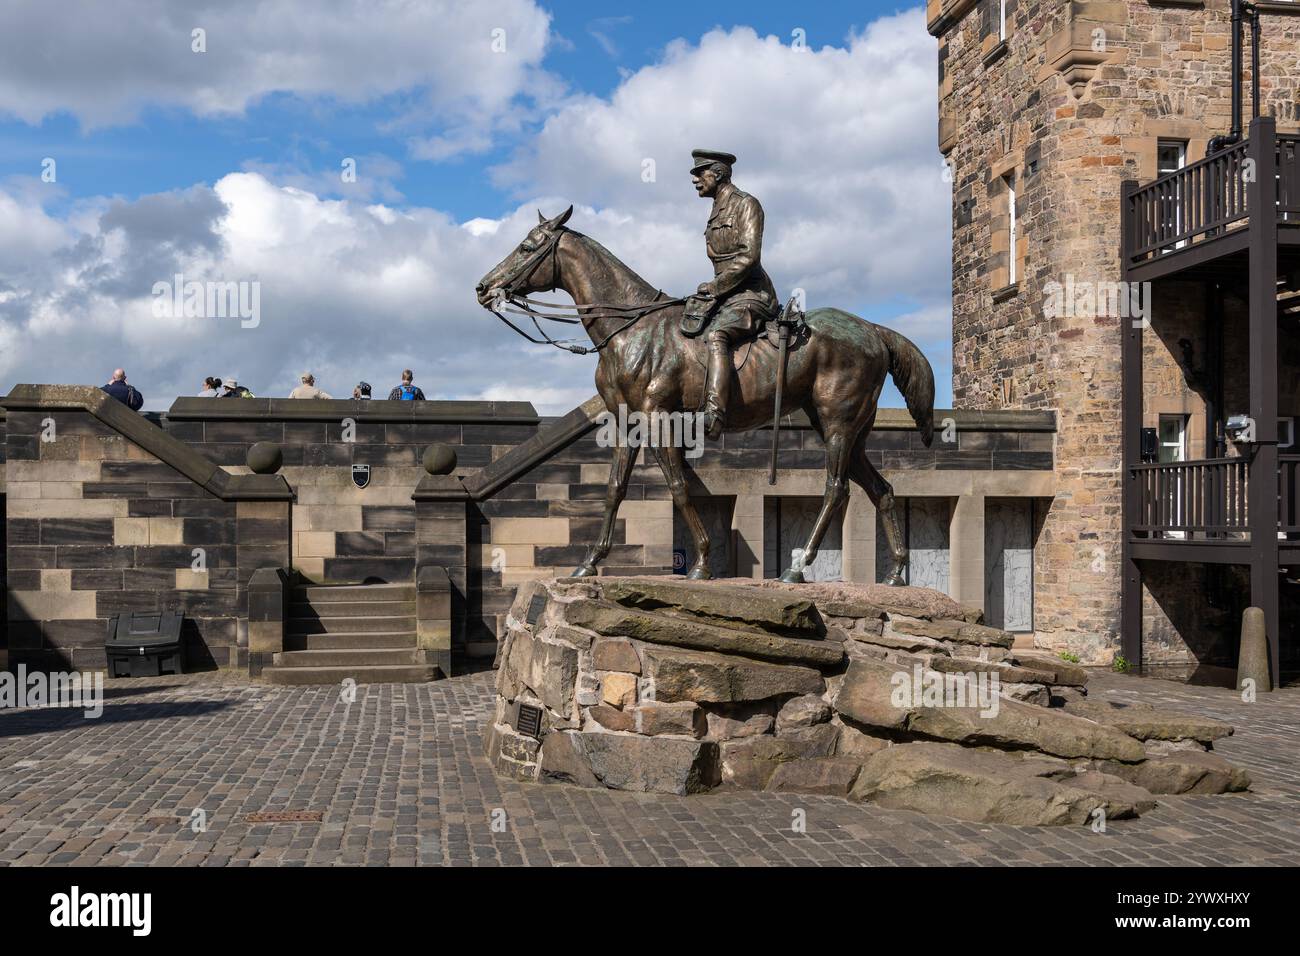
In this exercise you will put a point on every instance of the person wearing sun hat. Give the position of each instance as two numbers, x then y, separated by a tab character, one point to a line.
232	389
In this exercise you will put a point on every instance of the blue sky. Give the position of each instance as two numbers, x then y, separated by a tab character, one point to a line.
249	128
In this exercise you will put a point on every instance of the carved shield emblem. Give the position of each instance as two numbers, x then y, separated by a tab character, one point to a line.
361	475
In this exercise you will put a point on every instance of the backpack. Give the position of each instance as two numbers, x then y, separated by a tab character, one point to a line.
407	393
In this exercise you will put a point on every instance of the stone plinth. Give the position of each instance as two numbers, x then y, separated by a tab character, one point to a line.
899	696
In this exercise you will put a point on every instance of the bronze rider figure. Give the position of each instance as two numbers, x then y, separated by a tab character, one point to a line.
741	298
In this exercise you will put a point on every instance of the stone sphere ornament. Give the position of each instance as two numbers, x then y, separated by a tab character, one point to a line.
265	458
440	459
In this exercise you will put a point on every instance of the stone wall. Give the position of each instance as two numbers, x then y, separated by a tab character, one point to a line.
554	509
525	499
343	533
1070	123
531	490
1192	612
106	514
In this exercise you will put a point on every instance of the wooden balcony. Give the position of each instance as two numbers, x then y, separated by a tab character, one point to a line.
1203	507
1229	220
1200	213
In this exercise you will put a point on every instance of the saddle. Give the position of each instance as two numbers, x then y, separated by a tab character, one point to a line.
699	311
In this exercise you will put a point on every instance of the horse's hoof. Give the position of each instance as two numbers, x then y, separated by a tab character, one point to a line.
793	577
895	580
584	571
699	574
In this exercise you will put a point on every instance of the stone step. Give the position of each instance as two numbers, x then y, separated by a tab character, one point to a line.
382	674
349	657
350	625
345	641
305	609
321	593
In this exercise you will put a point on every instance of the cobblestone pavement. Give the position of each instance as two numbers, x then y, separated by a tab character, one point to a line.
399	779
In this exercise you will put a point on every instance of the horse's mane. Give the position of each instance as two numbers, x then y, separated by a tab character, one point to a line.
653	293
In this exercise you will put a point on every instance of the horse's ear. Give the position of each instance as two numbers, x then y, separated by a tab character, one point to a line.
540	218
562	218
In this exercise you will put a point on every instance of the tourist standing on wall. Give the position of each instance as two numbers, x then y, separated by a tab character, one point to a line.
406	392
232	389
307	388
211	388
124	393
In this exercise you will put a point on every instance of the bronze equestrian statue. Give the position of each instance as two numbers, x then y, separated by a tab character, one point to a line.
650	363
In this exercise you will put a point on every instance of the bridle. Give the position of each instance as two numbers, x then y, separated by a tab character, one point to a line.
559	311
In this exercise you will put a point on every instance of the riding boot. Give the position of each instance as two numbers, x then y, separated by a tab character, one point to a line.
717	383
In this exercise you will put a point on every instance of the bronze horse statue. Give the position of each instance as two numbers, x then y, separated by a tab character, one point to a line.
646	364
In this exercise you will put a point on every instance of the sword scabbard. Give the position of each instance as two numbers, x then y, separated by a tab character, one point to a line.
784	342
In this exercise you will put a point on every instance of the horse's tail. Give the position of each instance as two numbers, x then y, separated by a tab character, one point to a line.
915	379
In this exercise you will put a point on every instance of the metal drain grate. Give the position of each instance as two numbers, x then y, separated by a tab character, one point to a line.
286	816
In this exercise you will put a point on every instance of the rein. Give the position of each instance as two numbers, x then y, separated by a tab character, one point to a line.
576	314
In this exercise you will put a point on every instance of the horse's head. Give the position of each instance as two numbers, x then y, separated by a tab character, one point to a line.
532	266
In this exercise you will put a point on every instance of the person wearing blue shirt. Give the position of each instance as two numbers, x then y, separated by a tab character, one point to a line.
124	393
406	392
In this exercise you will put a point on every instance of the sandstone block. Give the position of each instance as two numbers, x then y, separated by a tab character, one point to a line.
1020	726
1187	771
679	717
824	775
547	668
656	628
1063	672
730	728
618	690
957	632
615	655
982	786
749	763
857	743
1148	723
864	696
719	678
804	711
611	718
564	760
746	608
651	764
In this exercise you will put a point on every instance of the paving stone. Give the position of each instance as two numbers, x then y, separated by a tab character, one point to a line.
400	778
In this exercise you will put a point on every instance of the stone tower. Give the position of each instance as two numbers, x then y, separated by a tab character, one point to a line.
1045	108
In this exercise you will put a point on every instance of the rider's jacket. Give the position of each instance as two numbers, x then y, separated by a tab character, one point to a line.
734	239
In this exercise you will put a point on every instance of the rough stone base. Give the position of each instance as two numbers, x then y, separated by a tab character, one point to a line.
898	696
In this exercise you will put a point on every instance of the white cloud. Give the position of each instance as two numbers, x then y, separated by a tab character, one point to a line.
103	62
837	143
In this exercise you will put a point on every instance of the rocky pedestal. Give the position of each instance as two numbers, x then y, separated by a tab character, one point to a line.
897	696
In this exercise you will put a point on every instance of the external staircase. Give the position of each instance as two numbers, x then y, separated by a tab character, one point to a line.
361	631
